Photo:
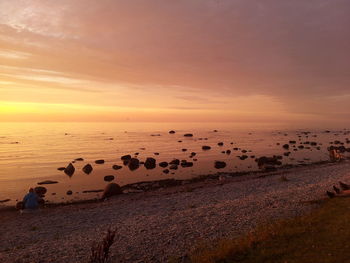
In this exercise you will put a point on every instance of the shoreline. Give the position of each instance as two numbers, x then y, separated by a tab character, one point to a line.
153	185
154	226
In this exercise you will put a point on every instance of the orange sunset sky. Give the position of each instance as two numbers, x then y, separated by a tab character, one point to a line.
184	60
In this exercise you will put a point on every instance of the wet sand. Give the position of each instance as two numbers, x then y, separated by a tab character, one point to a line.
157	225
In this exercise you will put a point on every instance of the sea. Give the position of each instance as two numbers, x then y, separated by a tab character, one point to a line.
31	153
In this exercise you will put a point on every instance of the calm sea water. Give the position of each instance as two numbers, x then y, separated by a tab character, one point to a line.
32	152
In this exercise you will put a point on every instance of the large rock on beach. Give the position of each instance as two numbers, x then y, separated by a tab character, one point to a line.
111	189
150	163
268	162
40	190
70	169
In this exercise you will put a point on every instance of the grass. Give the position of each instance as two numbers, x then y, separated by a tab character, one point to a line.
322	237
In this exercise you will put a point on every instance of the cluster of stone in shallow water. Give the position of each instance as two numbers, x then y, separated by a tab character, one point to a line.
263	162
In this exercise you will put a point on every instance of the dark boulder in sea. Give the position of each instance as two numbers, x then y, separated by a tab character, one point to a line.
111	189
173	167
108	178
292	142
166	171
286	153
133	164
40	190
186	164
193	154
228	151
243	157
286	146
87	168
69	170
5	200
163	164
126	157
100	161
219	165
215	130
47	182
220	143
69	192
171	132
61	168
205	147
79	159
156	153
150	163
175	161
117	167
188	135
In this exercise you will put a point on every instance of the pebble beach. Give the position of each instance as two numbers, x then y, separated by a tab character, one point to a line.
165	224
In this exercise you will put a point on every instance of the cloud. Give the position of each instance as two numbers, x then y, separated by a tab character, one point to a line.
293	52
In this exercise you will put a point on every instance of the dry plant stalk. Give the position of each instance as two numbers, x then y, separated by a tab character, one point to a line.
100	251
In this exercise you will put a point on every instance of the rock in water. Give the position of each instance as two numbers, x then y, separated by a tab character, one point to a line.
69	170
219	165
100	161
69	192
188	135
286	146
150	163
163	164
126	157
61	168
175	161
205	147
111	189
87	169
171	132
117	167
108	178
133	164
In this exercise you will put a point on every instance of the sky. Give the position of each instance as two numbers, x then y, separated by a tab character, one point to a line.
244	61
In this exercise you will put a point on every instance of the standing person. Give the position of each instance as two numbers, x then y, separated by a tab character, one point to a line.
30	200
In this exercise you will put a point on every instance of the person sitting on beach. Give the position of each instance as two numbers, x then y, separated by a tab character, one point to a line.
31	200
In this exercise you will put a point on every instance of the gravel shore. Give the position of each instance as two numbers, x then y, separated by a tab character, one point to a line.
158	225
